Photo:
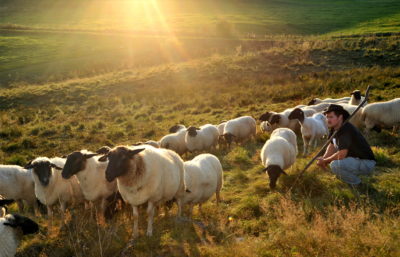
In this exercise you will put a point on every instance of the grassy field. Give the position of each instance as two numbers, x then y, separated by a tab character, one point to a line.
65	87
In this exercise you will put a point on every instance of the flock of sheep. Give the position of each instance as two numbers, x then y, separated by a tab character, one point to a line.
154	173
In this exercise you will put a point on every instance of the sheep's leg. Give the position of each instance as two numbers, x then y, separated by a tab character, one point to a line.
200	210
191	206
179	202
49	216
135	214
217	195
150	218
101	216
305	145
20	205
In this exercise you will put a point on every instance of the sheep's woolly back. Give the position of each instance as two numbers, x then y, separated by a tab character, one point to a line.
385	114
9	240
278	151
92	179
242	127
175	142
160	178
17	183
203	178
206	138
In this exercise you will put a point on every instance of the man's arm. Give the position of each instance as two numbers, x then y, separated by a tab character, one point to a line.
330	150
339	155
331	155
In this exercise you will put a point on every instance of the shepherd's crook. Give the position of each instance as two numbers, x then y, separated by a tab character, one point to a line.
334	133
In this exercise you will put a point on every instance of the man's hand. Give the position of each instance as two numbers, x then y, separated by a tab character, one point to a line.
322	162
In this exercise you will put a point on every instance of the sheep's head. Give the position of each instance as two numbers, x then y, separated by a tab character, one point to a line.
312	102
26	225
76	162
120	161
176	128
103	150
274	172
275	119
356	94
192	131
229	137
297	114
42	168
265	116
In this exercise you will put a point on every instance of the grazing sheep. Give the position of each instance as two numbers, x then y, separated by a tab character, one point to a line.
240	129
281	120
279	153
382	115
16	183
312	128
91	176
176	140
201	139
329	100
50	187
356	98
146	175
203	178
12	228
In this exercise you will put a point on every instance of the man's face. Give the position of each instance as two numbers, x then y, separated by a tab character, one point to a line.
333	119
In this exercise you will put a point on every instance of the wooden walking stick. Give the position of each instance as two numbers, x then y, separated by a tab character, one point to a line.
330	138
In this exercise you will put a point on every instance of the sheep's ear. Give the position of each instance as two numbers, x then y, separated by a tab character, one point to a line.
197	128
88	156
264	170
283	172
275	119
103	158
29	165
64	156
131	153
55	166
5	202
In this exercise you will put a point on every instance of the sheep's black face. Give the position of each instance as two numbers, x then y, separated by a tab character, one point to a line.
119	161
296	114
76	162
229	138
192	131
274	172
176	128
103	150
357	94
43	170
312	102
265	116
275	119
26	225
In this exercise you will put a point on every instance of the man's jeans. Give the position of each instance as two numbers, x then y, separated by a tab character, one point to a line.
350	168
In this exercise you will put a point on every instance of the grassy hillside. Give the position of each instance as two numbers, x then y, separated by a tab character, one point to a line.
319	216
83	74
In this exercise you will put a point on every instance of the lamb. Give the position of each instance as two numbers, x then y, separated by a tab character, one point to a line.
146	174
203	178
176	140
312	128
240	129
16	183
12	228
382	114
50	187
329	100
202	139
279	153
91	176
356	98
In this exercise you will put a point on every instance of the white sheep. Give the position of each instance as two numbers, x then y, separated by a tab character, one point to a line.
356	98
146	174
329	100
50	187
12	228
279	153
317	107
16	183
281	120
176	140
203	178
312	128
356	120
382	115
240	129
202	139
91	176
